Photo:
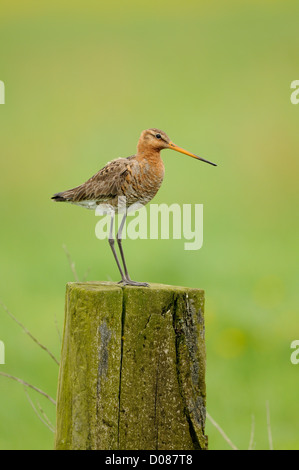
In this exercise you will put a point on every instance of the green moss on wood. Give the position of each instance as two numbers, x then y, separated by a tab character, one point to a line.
87	404
132	372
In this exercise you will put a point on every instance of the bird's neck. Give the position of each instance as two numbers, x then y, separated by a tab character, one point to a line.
151	155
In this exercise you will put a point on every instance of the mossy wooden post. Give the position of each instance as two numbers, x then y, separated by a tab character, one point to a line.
132	373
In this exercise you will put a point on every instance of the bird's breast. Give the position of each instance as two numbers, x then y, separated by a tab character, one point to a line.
143	180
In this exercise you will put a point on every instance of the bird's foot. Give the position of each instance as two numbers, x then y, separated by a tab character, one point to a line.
129	282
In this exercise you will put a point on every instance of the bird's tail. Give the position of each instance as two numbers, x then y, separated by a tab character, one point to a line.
59	197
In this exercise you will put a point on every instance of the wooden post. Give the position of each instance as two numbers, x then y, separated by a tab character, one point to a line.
132	373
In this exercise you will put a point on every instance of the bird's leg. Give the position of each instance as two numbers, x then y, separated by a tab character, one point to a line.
111	243
119	241
128	280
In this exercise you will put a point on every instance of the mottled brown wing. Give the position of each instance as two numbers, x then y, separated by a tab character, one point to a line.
103	186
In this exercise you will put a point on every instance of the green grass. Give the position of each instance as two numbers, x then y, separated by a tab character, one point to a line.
81	85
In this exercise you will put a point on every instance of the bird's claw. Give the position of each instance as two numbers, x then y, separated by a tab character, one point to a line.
129	282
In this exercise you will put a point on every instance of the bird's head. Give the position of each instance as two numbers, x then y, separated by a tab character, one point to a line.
154	140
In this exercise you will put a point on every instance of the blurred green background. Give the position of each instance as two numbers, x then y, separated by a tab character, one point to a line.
83	79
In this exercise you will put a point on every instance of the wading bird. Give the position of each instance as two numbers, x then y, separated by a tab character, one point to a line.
134	179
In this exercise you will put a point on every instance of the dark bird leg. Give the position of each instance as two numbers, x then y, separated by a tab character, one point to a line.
127	280
111	243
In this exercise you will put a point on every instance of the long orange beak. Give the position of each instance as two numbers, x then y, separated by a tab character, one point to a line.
179	149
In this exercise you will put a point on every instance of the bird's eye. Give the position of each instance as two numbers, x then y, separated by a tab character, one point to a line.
158	136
